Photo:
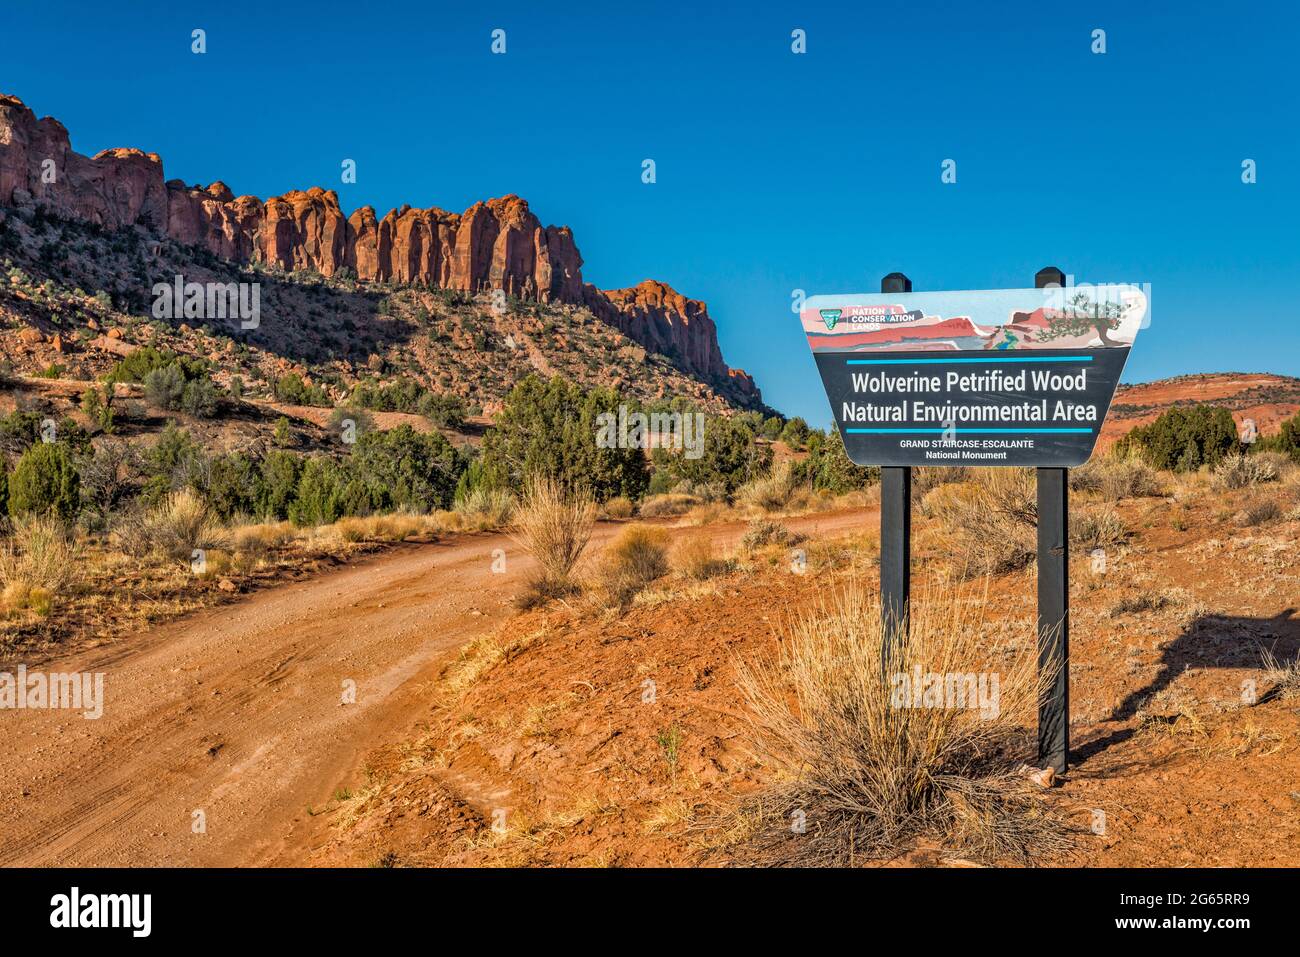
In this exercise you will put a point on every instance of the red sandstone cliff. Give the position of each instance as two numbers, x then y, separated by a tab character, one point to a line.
497	244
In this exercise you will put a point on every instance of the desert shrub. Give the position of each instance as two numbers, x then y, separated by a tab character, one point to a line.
444	410
553	525
277	484
795	433
138	365
693	557
1243	471
174	461
1096	528
829	469
871	771
637	556
199	397
37	562
928	477
290	388
164	386
45	482
401	395
729	457
402	468
770	492
1183	438
97	405
351	423
551	429
177	386
493	505
318	498
668	504
618	507
108	477
1284	675
764	532
1116	477
1259	511
173	528
991	521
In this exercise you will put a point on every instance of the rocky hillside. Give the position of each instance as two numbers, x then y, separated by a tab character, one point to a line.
420	256
1263	398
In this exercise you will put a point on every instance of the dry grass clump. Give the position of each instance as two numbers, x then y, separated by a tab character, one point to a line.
926	478
1259	511
36	563
619	507
394	527
866	766
1285	676
1097	528
771	492
668	504
992	521
172	529
486	507
693	557
1245	471
1116	477
553	525
1143	601
763	532
637	556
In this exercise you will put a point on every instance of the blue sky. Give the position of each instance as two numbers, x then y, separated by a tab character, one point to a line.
775	171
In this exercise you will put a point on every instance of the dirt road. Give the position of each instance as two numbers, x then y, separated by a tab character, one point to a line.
221	731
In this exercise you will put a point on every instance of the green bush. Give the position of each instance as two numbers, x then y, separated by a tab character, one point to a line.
362	422
795	433
165	386
137	366
402	468
444	410
730	457
277	484
173	462
1183	438
232	485
1287	440
829	469
45	482
549	429
291	389
319	498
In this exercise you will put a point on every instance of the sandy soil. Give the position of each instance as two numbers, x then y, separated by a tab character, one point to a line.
235	716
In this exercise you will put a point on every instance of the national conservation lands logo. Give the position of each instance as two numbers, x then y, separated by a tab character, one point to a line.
1015	377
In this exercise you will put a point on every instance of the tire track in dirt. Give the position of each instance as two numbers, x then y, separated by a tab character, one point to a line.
236	712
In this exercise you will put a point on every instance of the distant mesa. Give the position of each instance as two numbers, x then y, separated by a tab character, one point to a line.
495	244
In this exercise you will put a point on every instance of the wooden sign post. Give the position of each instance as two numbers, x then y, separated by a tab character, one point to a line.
991	377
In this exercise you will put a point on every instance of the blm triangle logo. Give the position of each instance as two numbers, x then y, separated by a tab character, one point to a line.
830	317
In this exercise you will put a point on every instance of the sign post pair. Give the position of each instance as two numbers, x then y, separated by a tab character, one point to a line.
994	377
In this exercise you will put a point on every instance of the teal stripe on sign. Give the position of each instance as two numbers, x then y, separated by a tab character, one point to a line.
926	362
1084	431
